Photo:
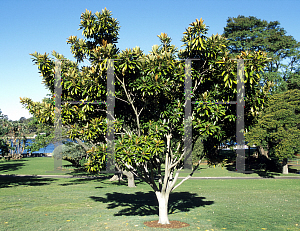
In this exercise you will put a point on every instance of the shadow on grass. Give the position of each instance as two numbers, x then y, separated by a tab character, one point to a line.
255	169
12	165
124	182
143	204
294	169
104	181
83	181
13	181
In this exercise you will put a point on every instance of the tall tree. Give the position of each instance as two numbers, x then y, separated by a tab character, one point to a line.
253	34
278	127
150	97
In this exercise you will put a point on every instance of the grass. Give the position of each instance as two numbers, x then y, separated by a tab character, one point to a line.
45	166
31	166
97	204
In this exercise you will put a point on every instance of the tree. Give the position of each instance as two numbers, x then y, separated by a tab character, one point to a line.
149	116
13	137
253	34
72	152
4	146
278	127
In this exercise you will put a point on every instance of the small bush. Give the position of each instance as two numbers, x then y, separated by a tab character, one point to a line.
72	152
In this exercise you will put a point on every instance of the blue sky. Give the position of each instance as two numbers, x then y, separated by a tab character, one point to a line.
44	26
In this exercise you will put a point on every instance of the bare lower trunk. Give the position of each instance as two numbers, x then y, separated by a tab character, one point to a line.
263	152
285	169
163	199
130	178
116	177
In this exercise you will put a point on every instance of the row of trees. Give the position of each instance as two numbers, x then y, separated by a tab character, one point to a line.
12	132
149	117
13	135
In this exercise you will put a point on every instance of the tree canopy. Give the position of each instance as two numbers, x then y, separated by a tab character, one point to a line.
253	34
278	127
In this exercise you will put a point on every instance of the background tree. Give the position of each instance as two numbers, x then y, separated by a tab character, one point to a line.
150	97
253	34
4	129
278	127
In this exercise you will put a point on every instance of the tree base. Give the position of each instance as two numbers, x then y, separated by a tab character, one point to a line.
172	225
116	178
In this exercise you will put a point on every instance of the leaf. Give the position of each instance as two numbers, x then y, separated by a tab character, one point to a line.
226	77
201	42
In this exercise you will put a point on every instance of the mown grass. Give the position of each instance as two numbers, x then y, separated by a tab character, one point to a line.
97	204
31	166
45	166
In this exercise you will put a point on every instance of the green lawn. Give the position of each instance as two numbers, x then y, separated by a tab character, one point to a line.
45	166
97	204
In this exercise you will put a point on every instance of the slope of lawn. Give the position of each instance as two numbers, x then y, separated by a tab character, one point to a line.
45	166
98	204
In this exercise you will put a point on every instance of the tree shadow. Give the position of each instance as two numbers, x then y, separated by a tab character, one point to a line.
144	204
13	181
256	169
294	169
12	165
124	182
83	181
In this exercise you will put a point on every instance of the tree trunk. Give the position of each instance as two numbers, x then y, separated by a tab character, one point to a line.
130	178
116	177
263	152
163	199
285	169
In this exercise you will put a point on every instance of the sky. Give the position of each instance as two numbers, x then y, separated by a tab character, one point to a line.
45	25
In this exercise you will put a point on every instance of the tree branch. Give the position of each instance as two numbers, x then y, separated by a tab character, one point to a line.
188	177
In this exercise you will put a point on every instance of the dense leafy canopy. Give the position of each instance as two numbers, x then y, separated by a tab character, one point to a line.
253	34
278	127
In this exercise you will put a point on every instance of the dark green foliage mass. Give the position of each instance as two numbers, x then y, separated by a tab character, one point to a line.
253	34
278	127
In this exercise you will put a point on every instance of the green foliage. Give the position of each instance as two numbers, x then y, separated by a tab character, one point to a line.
4	129
253	34
278	127
198	150
96	159
149	92
147	148
72	152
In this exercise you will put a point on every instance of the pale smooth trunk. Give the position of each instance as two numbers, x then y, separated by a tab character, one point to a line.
163	199
285	169
130	178
263	151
